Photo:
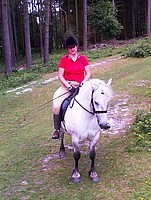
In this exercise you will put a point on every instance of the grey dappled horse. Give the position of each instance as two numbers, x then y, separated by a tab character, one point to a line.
86	114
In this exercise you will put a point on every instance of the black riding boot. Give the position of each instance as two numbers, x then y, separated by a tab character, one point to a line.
57	124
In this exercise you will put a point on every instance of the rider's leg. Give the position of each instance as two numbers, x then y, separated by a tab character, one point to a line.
57	125
58	97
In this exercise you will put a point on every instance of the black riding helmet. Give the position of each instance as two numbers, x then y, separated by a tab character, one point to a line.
71	41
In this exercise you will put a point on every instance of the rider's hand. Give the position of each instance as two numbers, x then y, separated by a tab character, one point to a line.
81	84
72	89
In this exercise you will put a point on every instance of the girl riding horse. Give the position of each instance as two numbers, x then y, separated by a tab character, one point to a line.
73	70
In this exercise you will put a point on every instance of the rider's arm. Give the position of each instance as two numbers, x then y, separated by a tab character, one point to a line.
62	79
87	74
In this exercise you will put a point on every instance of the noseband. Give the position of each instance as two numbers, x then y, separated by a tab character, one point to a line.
93	107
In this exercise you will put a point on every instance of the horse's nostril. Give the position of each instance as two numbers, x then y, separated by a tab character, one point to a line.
102	126
105	126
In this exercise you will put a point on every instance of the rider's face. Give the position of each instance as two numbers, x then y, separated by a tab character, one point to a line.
72	49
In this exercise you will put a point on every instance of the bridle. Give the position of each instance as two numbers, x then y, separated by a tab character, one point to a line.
93	107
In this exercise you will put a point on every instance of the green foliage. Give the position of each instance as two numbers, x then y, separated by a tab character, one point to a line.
140	49
102	53
102	19
18	78
141	129
24	76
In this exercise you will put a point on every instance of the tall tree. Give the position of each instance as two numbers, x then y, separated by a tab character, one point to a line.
148	17
85	25
133	10
46	38
11	34
6	37
77	21
81	21
15	32
68	16
103	21
40	7
27	35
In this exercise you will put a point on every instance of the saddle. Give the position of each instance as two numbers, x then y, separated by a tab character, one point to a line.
66	103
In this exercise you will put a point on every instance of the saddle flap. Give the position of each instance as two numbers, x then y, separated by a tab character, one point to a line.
66	103
64	106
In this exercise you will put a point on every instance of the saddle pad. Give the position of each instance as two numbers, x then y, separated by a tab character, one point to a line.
64	106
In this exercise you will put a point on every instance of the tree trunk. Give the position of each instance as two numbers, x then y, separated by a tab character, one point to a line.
27	35
13	60
15	32
85	25
133	19
81	21
68	17
40	5
77	24
148	18
51	28
56	36
46	39
6	38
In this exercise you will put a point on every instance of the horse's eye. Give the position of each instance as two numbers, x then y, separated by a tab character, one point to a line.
96	103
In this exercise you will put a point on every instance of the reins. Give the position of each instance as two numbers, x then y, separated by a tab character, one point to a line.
84	107
45	103
94	111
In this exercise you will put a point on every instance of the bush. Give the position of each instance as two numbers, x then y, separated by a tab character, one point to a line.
140	49
17	79
141	129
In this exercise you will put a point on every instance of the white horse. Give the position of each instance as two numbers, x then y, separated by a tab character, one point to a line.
86	114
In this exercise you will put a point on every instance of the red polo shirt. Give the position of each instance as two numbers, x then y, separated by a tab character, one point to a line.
74	71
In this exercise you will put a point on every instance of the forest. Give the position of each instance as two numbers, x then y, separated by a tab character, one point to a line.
115	37
29	27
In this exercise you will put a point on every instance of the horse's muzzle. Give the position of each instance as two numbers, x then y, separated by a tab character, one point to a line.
105	126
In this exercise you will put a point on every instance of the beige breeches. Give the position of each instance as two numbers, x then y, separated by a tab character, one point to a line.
59	93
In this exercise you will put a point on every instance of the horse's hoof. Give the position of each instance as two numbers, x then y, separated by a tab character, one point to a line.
95	179
93	176
62	154
76	180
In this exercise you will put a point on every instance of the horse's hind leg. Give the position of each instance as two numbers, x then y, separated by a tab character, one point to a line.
92	173
62	152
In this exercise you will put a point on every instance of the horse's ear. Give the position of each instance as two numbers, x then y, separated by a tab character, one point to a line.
109	82
95	86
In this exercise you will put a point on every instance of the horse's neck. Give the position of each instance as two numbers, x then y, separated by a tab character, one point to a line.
84	96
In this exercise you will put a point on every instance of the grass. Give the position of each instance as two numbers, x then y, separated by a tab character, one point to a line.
29	168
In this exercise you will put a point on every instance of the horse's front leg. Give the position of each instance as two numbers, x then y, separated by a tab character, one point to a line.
62	152
92	173
76	175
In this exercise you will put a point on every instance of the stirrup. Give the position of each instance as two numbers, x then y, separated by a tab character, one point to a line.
56	134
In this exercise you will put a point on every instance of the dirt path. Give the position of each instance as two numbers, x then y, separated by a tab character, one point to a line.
120	114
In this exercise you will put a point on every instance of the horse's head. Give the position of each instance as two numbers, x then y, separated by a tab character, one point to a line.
101	96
